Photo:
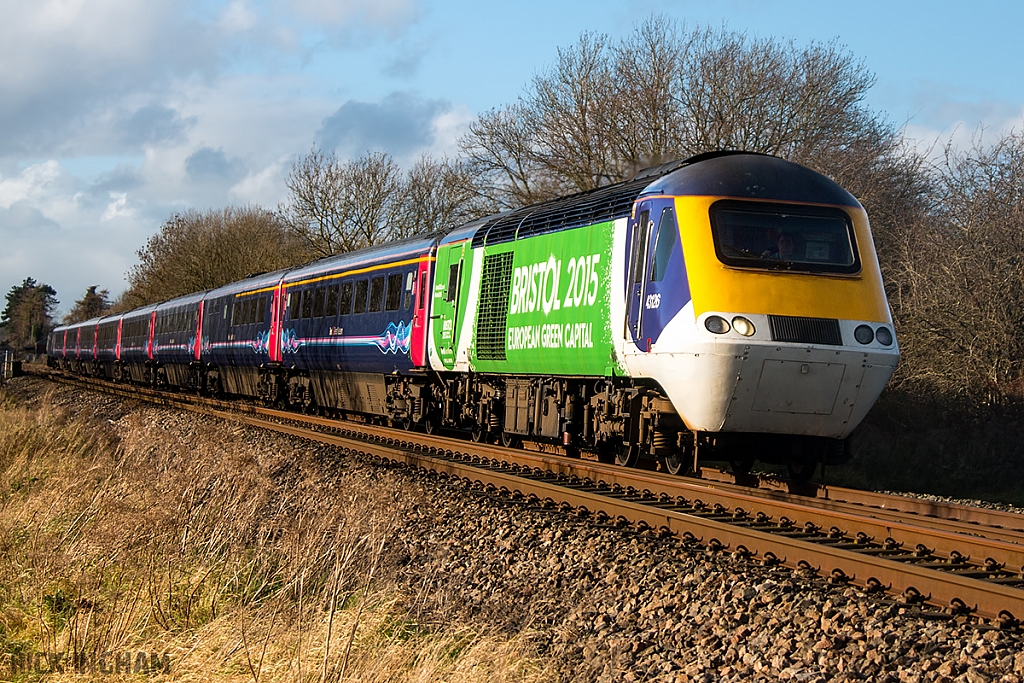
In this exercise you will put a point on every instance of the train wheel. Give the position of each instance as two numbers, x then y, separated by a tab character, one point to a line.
801	470
627	455
478	434
402	423
675	463
509	440
430	424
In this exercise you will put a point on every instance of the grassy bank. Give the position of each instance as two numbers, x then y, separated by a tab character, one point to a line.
228	553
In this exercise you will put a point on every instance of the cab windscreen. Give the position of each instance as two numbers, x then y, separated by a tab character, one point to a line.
784	237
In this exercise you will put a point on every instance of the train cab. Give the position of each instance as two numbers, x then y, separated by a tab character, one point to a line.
753	297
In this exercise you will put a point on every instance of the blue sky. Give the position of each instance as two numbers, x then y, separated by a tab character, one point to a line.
114	114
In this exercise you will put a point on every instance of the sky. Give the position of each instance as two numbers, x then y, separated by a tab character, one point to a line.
116	114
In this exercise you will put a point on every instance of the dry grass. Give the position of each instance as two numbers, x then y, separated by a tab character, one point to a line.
244	557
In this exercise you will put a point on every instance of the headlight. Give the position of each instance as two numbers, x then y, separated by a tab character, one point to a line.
716	324
863	334
884	336
743	326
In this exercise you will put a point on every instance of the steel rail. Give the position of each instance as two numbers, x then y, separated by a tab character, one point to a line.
726	524
966	514
988	600
952	517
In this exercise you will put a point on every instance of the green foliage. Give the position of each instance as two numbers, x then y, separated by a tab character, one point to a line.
92	305
28	316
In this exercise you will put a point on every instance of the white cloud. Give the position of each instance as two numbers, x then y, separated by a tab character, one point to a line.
448	128
57	230
65	63
237	17
265	186
375	13
156	107
118	207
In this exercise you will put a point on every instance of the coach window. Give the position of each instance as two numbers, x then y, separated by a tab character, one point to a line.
293	300
318	302
236	313
346	298
332	301
252	310
261	310
307	303
376	294
361	288
393	301
423	291
410	279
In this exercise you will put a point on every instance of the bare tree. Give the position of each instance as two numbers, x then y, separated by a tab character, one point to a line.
340	206
197	250
961	283
666	92
500	149
439	194
315	210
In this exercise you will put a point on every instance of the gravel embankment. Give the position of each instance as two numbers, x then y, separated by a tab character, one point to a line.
613	605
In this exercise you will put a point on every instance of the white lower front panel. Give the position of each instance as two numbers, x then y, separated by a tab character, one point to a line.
770	388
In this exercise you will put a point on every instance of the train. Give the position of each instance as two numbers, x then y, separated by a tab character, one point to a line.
727	307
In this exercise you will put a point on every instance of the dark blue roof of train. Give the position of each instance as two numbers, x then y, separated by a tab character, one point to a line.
193	298
255	282
754	176
136	312
381	253
726	173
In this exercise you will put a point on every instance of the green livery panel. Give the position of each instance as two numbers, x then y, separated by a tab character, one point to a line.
540	305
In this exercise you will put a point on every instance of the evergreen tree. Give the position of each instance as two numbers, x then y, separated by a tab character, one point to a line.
92	305
28	316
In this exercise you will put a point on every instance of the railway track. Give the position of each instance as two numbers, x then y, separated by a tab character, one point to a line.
951	560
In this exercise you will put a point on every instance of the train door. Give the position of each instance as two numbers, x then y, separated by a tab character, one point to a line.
197	339
419	318
150	334
666	289
446	301
277	309
640	230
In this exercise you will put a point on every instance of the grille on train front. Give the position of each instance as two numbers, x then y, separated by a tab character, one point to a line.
805	330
